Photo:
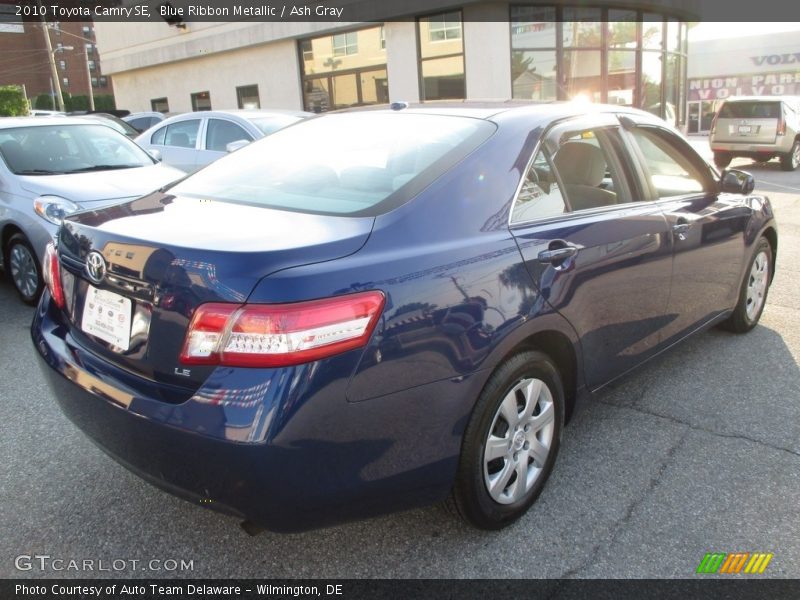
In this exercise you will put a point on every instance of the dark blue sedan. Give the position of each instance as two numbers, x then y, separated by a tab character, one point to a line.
372	311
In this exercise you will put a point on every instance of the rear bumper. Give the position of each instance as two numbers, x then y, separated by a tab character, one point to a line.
308	458
745	149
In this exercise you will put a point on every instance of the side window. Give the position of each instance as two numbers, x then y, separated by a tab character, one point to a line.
539	197
221	133
669	171
158	137
587	171
183	134
141	123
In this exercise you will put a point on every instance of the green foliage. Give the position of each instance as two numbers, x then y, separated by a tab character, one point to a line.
44	102
12	101
79	102
104	102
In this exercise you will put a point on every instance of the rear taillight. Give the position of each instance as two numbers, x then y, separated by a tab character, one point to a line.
278	335
782	126
52	275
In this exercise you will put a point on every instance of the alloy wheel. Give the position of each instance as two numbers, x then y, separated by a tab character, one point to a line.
23	270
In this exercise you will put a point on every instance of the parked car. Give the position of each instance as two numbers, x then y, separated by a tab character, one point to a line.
757	127
53	167
375	310
142	121
112	121
192	140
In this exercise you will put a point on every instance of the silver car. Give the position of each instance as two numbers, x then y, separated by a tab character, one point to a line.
54	167
192	140
757	127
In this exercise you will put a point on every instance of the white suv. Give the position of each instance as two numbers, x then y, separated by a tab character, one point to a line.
757	127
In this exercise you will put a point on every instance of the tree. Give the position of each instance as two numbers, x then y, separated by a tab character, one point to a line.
44	102
12	101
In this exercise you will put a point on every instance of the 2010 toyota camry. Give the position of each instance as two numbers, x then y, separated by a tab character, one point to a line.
371	311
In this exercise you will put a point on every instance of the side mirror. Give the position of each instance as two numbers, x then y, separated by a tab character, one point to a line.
734	181
155	154
234	146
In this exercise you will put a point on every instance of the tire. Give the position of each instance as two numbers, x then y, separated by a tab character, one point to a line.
530	381
754	289
722	159
23	268
791	160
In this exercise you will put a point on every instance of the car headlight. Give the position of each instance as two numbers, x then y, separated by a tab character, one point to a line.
53	208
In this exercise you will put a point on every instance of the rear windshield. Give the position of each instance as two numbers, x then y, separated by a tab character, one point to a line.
750	110
358	164
269	125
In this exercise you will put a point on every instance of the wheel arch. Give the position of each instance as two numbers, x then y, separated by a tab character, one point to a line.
772	238
552	335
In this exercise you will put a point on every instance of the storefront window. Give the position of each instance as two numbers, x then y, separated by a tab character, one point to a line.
622	77
534	75
441	50
533	27
582	27
346	69
622	28
619	56
653	32
582	75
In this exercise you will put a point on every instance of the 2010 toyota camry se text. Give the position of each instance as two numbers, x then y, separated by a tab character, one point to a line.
375	310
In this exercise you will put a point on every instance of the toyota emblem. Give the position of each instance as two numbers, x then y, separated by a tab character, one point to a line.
95	267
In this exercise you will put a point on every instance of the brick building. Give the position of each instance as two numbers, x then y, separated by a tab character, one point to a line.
25	61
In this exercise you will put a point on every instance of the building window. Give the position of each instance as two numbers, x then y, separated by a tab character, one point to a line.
56	27
247	96
345	44
92	65
619	56
103	81
94	82
444	27
307	50
65	82
337	75
87	31
201	101
159	105
89	48
383	38
62	64
441	54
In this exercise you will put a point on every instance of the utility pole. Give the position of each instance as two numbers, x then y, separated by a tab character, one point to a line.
52	59
89	76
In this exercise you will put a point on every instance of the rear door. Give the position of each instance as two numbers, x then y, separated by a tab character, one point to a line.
180	143
218	134
598	250
748	121
707	227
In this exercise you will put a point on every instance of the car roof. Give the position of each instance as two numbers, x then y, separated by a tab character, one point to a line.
243	114
11	122
495	109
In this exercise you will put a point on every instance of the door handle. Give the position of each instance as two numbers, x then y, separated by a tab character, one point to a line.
557	254
681	228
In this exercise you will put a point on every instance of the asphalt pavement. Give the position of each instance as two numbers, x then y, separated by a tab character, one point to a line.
697	452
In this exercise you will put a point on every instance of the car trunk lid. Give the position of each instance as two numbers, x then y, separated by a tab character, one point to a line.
164	255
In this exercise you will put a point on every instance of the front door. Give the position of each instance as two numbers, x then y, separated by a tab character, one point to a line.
596	249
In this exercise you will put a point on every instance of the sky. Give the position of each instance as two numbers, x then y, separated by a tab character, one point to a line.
710	30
